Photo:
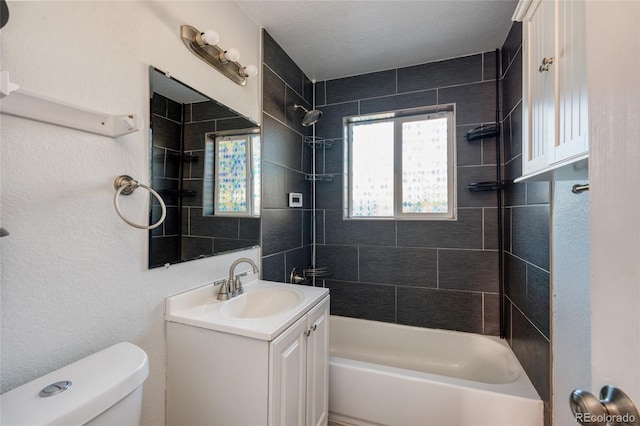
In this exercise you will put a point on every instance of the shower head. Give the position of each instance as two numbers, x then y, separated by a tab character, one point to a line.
310	117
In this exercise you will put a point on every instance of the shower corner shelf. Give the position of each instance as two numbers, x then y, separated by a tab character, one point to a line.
318	142
319	178
317	271
483	132
21	103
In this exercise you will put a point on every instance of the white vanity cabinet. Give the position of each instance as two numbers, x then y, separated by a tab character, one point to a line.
298	371
555	107
318	366
237	372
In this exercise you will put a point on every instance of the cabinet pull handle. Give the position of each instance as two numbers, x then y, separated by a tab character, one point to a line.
314	327
546	63
307	333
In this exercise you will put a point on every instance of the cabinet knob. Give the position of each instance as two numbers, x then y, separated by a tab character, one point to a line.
546	63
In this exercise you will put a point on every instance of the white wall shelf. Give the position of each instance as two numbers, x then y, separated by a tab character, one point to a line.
21	103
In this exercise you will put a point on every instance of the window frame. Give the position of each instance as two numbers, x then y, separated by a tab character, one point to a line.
398	117
251	180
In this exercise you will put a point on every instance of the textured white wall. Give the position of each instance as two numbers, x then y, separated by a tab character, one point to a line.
74	275
571	286
613	78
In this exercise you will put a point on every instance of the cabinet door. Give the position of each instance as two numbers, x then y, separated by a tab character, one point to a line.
288	376
539	88
572	81
318	365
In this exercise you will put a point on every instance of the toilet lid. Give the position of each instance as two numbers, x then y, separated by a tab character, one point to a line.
98	382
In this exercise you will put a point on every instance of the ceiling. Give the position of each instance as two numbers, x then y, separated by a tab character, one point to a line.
332	39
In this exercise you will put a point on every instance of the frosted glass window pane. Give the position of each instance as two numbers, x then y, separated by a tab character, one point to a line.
424	166
257	173
402	167
209	178
372	169
232	175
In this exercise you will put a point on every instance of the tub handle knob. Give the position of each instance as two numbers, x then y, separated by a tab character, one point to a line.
613	408
294	278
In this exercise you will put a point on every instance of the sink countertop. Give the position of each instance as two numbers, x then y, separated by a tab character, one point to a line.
200	308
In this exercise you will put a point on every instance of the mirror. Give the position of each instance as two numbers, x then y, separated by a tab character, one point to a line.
206	166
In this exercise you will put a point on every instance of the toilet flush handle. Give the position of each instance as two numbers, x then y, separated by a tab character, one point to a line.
55	388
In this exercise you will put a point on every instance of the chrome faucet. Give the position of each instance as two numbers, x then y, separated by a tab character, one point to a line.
233	286
236	286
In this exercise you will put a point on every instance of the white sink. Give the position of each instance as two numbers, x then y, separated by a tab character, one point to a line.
261	303
265	309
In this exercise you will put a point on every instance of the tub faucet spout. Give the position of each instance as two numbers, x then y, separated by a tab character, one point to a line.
235	285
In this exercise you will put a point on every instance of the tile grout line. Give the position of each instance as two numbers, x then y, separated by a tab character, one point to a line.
483	313
437	268
483	229
396	303
358	261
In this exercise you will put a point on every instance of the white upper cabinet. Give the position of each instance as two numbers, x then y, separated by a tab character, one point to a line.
555	109
573	126
539	86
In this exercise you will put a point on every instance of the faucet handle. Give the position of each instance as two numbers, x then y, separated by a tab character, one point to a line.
238	285
224	294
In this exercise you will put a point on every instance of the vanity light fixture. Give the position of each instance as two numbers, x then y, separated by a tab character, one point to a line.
232	55
205	46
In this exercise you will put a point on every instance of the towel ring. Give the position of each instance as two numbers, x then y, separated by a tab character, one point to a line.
126	185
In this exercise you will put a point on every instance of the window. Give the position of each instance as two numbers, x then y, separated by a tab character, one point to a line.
401	167
234	162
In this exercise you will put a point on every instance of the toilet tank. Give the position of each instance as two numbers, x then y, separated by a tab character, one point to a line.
105	389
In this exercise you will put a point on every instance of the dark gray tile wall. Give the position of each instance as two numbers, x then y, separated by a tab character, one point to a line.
526	242
458	310
166	117
286	241
439	274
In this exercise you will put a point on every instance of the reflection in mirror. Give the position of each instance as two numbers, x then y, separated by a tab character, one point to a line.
233	161
206	167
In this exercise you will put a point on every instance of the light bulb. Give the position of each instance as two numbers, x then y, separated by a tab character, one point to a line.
232	55
249	71
210	37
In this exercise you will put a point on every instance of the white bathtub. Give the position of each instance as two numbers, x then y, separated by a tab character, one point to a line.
389	374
